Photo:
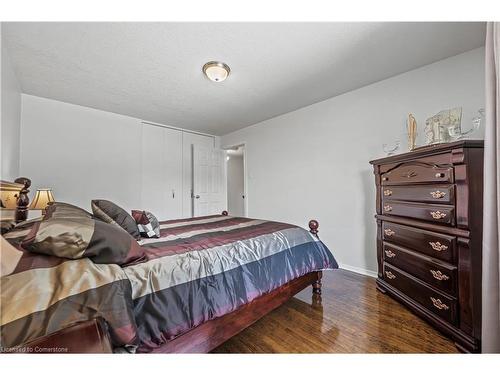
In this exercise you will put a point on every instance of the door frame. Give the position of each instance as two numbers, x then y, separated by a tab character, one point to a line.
245	173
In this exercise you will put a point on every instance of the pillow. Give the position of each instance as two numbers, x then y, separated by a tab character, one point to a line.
68	233
9	257
147	223
113	214
68	210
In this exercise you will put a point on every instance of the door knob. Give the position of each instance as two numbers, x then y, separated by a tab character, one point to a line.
197	196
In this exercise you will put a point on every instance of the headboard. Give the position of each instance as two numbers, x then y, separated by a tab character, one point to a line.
14	197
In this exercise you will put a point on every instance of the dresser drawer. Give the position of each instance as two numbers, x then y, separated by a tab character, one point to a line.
438	303
417	173
437	245
434	213
444	194
438	274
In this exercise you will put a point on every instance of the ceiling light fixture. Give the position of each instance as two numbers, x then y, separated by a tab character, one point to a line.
216	71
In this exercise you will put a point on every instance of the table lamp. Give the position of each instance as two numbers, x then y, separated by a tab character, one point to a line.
42	198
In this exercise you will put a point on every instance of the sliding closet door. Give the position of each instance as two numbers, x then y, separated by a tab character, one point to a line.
172	147
153	171
162	172
191	140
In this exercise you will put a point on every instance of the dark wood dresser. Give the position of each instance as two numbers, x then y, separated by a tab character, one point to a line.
429	234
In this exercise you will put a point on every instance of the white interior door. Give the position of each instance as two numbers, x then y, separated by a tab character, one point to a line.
209	188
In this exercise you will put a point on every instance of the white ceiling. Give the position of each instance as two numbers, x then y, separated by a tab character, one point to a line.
152	71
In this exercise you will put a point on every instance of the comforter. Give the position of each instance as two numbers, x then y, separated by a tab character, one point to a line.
199	269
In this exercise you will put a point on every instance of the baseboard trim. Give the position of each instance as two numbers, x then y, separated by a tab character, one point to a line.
361	271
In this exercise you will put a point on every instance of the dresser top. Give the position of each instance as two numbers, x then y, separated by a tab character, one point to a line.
430	150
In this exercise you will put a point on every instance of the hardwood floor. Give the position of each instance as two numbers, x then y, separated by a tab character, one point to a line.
353	317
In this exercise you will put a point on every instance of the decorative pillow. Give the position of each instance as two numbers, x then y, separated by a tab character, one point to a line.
113	214
68	233
147	223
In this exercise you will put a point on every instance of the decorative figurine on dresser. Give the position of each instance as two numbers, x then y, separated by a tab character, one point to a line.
429	235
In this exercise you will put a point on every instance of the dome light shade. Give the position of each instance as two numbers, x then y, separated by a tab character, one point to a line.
216	71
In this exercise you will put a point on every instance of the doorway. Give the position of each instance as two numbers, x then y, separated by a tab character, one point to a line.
236	192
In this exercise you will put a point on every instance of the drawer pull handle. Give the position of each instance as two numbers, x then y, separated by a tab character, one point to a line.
387	208
437	246
439	175
438	214
389	232
387	193
438	304
385	178
438	194
390	254
390	275
409	174
439	275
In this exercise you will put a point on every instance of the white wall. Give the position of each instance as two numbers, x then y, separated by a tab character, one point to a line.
313	162
10	118
81	153
84	154
235	185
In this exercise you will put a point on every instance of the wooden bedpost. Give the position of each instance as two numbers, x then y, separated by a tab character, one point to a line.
316	301
317	284
23	200
313	228
225	213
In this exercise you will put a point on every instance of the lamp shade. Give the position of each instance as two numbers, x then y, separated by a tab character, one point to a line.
42	198
9	192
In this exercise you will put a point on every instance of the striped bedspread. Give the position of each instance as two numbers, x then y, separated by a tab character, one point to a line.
199	269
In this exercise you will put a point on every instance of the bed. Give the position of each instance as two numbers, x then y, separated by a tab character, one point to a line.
202	281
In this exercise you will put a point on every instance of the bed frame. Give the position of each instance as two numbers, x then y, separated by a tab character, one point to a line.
201	339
